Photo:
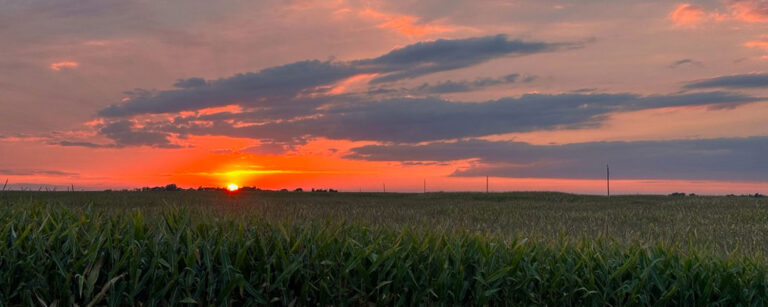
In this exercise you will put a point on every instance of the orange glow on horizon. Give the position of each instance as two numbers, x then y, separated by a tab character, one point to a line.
232	187
219	161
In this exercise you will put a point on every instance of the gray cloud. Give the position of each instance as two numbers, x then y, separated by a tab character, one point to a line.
125	133
428	57
417	120
408	120
689	62
451	86
268	88
715	159
190	83
36	172
734	81
278	87
584	90
81	144
268	148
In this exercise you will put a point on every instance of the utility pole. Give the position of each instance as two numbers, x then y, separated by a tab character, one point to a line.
425	185
608	180
486	184
384	187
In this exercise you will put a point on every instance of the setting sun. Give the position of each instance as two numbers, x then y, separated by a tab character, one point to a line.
232	187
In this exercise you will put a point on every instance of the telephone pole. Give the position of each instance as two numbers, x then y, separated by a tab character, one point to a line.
608	180
425	186
384	187
486	184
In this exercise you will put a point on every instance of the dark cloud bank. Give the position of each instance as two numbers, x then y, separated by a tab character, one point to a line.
288	105
715	159
408	120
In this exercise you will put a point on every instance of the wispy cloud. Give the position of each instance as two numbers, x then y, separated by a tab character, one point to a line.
37	172
741	81
409	26
450	86
685	62
759	44
58	66
688	15
749	10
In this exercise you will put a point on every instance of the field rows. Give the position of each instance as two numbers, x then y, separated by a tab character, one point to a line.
59	248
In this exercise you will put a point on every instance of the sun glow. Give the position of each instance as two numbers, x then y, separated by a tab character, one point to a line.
232	187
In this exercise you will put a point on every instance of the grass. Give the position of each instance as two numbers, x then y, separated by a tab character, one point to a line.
171	248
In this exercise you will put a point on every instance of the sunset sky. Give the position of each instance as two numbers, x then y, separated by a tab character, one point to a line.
355	95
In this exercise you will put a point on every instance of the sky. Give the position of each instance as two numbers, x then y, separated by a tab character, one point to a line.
399	95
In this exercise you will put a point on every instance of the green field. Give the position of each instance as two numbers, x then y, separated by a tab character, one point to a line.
160	248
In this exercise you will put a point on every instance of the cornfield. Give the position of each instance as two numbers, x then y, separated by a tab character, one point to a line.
288	249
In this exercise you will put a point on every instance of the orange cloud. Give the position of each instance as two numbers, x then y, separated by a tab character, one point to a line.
691	15
65	64
344	85
760	44
687	15
404	24
749	10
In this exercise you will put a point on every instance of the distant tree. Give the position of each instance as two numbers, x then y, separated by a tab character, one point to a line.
677	194
171	187
298	190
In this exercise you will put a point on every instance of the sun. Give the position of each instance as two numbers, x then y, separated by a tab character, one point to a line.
232	187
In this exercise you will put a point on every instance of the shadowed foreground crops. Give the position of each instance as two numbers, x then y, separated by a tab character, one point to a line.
352	249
